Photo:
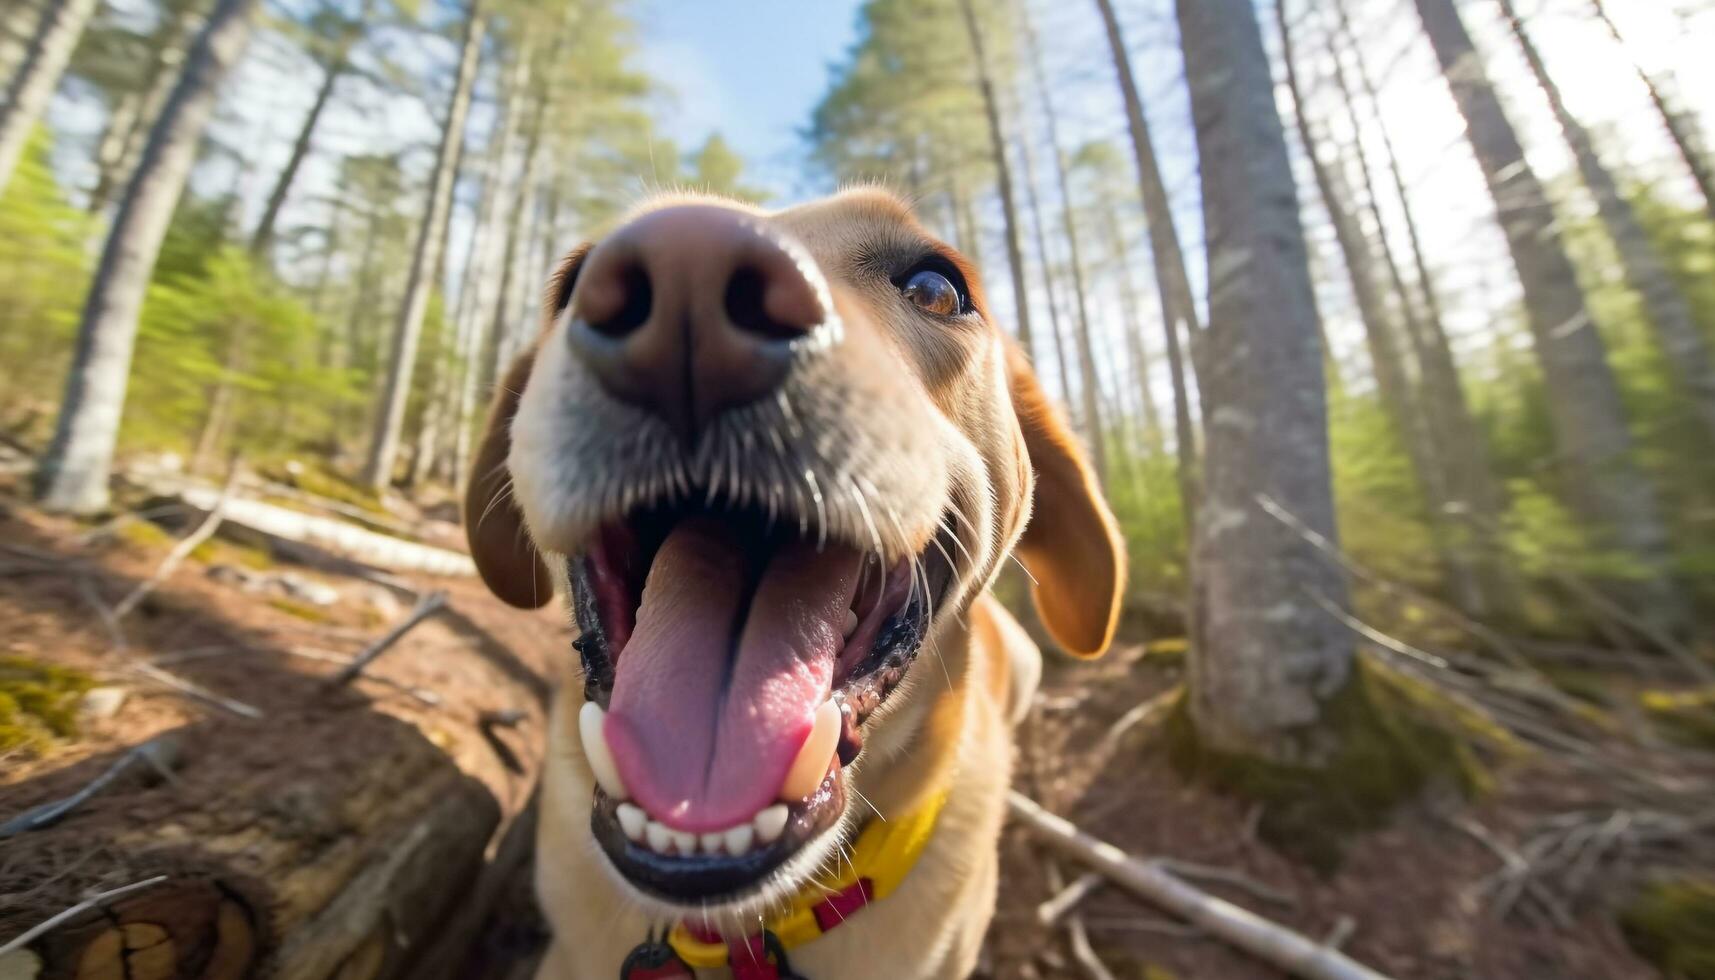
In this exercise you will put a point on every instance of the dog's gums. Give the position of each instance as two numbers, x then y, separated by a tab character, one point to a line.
730	662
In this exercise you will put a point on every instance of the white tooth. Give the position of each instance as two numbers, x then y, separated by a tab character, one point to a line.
851	623
590	721
739	838
686	843
660	838
770	822
813	758
712	843
632	820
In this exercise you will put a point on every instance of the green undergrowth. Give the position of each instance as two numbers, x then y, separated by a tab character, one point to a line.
1686	717
38	702
1393	738
1672	924
301	610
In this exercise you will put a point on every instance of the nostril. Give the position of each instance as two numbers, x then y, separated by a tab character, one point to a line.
639	297
747	307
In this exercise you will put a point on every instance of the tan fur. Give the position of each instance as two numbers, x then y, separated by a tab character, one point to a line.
940	416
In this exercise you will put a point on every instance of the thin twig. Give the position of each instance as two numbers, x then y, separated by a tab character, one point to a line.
197	691
1050	912
160	753
1227	876
182	549
426	697
427	606
92	596
94	901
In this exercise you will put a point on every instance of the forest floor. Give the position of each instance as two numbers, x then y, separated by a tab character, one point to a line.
1405	897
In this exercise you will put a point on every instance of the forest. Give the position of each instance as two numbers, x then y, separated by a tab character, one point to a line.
1387	326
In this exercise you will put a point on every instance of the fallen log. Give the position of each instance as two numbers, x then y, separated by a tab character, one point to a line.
1270	942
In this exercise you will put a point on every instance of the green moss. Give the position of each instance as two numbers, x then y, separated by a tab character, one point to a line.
1672	924
1392	736
1686	717
142	535
325	483
301	610
38	702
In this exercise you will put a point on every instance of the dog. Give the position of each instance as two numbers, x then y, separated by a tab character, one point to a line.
776	460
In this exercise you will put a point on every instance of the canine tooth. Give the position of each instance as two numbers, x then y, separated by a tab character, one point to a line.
812	762
660	838
769	823
632	820
686	843
712	843
590	721
738	839
851	623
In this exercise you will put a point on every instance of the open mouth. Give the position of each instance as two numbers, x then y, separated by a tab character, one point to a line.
730	662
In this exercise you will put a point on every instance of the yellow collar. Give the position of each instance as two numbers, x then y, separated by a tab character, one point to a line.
885	853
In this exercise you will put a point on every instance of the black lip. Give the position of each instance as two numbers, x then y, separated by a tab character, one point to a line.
706	878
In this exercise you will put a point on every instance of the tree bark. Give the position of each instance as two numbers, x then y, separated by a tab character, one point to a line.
173	39
75	469
1043	260
1178	308
1003	178
425	258
1476	501
1676	328
1131	311
1089	390
1393	378
1679	125
1266	657
264	234
1603	481
61	24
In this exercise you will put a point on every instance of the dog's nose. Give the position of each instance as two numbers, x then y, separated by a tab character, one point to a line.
692	310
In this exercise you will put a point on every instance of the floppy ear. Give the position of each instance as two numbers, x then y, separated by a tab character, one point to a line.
494	526
1072	545
503	552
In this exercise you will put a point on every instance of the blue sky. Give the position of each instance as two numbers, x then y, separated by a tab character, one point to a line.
752	69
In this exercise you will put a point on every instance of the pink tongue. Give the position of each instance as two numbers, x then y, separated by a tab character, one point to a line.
703	736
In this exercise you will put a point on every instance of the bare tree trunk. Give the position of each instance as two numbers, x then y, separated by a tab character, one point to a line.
264	234
1131	312
1476	501
75	469
1680	126
122	119
1676	328
1003	177
1604	483
1178	308
17	25
1266	657
517	238
45	58
1033	199
1090	392
1393	379
160	79
390	419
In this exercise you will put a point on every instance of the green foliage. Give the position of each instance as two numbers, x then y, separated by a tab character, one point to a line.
1672	924
1391	735
1144	494
43	262
38	702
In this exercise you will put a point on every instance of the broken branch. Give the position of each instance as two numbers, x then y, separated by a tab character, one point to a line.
1268	941
181	550
427	606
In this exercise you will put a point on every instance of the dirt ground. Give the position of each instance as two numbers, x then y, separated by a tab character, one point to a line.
1404	896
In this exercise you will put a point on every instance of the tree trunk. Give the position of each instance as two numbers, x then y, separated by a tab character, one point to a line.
1583	396
1089	390
174	39
1393	379
1476	501
61	24
1681	127
1003	177
517	241
1131	312
1056	330
122	120
1266	657
1178	309
1676	328
425	258
264	234
75	469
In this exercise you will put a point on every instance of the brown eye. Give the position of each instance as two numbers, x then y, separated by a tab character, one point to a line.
932	292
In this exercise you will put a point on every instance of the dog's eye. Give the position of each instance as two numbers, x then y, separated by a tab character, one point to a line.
932	292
